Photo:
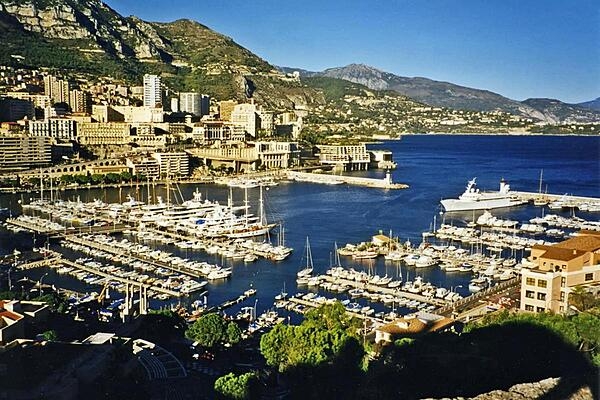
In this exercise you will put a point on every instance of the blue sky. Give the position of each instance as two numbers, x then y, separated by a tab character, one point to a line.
518	48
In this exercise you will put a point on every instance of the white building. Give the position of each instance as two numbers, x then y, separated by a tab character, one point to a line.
173	164
246	115
190	102
152	91
278	154
56	128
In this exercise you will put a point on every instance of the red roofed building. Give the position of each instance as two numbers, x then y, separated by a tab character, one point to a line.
558	270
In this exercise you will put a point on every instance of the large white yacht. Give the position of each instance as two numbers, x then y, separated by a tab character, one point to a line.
474	199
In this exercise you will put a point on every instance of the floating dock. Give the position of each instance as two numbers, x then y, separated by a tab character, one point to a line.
328	179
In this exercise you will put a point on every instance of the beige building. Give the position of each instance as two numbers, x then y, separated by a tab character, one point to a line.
144	166
109	133
56	89
80	101
278	154
38	100
210	131
226	108
140	114
558	270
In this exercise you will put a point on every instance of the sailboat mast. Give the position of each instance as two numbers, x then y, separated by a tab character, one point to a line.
41	185
261	208
541	175
246	206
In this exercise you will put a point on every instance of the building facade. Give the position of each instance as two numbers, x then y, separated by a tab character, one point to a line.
152	91
175	164
190	102
56	89
110	133
278	154
60	129
558	270
246	116
21	151
345	157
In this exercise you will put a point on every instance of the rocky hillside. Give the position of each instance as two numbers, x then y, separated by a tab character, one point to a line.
88	36
555	111
593	104
444	94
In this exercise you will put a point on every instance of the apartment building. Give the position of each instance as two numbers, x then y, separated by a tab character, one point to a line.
558	270
21	151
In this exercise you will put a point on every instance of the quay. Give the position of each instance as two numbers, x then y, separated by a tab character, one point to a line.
328	179
118	252
470	302
385	290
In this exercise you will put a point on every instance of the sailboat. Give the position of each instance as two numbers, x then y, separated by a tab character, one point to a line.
307	271
283	293
540	200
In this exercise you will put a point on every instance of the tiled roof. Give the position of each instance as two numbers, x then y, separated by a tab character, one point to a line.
562	254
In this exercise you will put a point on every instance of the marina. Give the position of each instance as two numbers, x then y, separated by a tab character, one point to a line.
456	254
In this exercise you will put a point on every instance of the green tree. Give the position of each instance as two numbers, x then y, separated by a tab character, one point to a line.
326	334
208	330
583	300
235	387
233	333
50	335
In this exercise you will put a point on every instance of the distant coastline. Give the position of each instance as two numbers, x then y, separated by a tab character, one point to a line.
495	134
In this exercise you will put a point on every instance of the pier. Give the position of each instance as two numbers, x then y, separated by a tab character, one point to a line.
328	179
57	233
94	271
118	252
230	303
315	304
384	290
570	201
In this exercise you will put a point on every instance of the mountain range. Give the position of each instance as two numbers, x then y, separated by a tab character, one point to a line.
445	94
88	37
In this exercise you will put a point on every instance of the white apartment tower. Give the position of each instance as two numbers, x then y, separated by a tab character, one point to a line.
190	102
152	91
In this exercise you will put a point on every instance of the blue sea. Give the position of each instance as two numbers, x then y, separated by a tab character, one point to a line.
434	166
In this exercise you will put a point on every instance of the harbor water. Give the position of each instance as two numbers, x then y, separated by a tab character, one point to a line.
434	167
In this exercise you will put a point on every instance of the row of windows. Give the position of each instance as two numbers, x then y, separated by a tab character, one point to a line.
529	307
540	282
530	294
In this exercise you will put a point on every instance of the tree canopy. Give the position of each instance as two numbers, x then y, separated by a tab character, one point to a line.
235	387
208	330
